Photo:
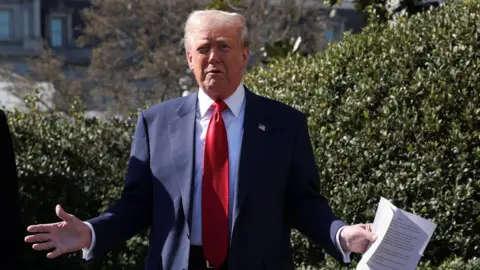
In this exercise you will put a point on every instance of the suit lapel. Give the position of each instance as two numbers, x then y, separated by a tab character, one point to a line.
182	141
252	150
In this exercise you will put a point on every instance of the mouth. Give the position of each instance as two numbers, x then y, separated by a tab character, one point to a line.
214	71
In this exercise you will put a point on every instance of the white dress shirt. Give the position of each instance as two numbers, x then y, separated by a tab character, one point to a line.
233	117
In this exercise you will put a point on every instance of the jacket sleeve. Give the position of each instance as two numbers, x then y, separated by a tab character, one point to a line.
308	210
132	212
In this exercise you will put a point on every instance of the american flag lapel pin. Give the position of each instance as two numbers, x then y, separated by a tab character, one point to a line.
261	127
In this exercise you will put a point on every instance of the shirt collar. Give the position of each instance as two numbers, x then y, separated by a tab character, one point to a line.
234	102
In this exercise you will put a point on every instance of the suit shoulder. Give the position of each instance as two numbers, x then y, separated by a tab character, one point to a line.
163	108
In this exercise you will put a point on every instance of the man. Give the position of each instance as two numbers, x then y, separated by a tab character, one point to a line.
9	199
220	176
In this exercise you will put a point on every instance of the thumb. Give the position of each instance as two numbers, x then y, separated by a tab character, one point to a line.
62	214
370	236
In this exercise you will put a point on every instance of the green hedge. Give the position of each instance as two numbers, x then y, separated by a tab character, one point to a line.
393	112
78	162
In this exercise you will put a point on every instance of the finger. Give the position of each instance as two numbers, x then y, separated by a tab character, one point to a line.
54	254
41	227
41	237
370	236
367	227
363	226
44	246
62	214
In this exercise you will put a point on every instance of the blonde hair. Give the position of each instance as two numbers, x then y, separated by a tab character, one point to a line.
216	17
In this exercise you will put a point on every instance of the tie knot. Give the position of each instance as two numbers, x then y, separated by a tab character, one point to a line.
219	105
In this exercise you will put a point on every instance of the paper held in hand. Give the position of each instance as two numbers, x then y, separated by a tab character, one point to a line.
401	239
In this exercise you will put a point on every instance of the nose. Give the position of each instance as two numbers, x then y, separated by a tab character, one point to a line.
213	57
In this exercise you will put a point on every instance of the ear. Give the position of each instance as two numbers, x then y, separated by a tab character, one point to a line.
245	56
189	59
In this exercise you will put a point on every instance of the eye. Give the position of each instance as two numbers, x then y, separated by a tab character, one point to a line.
223	47
203	49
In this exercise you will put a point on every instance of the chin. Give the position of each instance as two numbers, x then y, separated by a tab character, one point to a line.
213	84
217	90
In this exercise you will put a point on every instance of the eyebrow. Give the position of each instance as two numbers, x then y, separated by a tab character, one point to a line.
219	39
204	43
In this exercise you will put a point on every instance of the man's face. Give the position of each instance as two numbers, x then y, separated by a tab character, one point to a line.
217	56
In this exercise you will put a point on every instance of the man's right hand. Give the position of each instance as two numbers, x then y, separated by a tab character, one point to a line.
69	235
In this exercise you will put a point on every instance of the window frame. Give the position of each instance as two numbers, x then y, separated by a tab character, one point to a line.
64	18
10	24
337	27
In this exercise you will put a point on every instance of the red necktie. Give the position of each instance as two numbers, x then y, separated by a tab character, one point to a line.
215	189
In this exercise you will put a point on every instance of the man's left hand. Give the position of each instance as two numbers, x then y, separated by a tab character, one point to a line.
356	238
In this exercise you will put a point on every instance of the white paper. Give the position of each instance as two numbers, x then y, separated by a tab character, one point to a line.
401	239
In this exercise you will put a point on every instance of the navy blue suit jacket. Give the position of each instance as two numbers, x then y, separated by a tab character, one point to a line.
277	189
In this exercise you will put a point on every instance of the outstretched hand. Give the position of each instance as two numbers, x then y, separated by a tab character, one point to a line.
69	235
357	238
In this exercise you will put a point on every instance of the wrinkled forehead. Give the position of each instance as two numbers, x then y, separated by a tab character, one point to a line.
214	36
203	33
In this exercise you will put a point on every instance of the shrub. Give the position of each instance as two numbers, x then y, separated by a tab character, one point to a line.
453	264
79	163
394	112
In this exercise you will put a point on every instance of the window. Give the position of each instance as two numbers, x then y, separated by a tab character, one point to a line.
58	31
5	24
334	31
329	35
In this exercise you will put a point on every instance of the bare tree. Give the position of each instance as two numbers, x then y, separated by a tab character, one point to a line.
47	74
50	68
270	21
140	56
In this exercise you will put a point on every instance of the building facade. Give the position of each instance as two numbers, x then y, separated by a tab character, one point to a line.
25	24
